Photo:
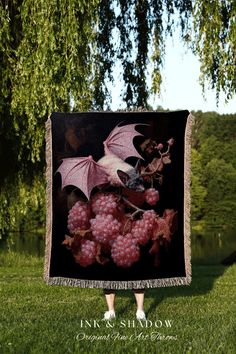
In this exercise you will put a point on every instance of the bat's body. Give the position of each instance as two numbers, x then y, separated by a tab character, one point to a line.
120	173
85	173
111	164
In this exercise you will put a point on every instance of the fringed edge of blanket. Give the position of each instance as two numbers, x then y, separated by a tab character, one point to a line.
187	196
130	284
120	284
48	238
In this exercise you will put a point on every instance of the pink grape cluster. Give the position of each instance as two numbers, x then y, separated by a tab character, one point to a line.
78	218
149	218
141	229
151	196
104	220
105	228
88	251
125	251
104	203
139	232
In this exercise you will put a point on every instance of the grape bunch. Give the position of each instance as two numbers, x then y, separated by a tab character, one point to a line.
87	253
79	217
149	218
142	229
151	196
105	228
106	224
104	203
125	251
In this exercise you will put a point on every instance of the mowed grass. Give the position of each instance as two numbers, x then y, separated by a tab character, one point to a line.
37	318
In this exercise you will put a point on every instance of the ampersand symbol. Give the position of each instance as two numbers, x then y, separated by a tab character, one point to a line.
109	324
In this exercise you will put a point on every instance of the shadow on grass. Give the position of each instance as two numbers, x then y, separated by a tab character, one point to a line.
203	279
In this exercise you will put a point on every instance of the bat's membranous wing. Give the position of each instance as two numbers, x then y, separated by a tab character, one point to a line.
120	141
83	173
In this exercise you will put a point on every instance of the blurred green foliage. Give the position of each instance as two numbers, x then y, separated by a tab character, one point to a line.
213	177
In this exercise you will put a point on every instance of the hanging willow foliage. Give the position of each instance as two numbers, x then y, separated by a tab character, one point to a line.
60	55
47	55
215	43
54	64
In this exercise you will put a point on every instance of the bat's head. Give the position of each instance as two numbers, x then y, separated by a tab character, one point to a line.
131	179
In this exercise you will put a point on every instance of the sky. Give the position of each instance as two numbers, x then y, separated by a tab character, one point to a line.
180	87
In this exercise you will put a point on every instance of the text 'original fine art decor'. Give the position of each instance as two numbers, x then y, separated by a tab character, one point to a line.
118	199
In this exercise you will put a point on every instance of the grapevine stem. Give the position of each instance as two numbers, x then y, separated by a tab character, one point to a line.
137	210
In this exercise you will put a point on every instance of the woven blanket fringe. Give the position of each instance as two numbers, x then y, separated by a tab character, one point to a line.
48	238
130	284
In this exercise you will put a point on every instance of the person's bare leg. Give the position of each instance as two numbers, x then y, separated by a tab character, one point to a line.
140	301
110	299
139	296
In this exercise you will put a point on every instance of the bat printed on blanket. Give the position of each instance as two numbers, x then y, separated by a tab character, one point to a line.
85	173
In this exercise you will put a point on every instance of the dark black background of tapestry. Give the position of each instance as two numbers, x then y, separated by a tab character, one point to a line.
92	128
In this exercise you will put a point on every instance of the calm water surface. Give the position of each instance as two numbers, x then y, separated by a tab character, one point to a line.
209	247
212	246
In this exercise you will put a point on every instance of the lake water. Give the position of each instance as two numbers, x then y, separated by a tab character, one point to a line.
29	243
212	246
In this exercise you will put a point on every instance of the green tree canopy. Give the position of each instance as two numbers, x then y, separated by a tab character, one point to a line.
198	191
220	179
214	169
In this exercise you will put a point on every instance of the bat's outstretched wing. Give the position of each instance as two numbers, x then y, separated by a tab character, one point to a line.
83	173
120	141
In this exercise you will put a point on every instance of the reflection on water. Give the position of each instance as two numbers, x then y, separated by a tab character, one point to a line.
212	246
30	243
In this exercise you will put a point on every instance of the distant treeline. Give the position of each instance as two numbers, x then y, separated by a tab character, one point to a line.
213	170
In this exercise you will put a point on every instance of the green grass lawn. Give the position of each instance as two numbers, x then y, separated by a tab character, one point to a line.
37	318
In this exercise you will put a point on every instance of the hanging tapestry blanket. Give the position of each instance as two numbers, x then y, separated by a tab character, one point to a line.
118	199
